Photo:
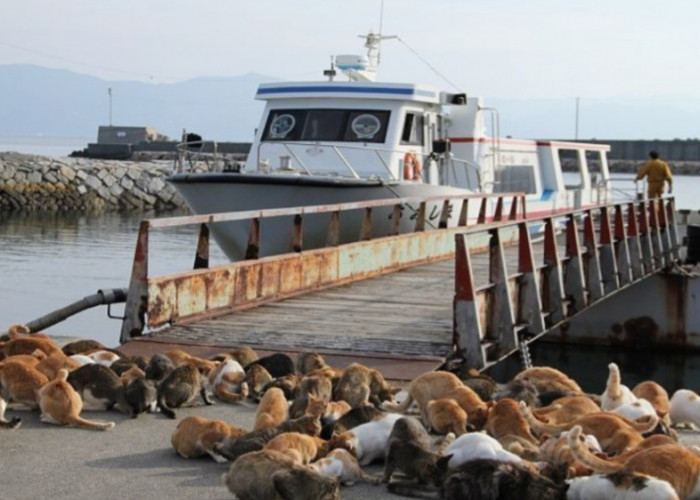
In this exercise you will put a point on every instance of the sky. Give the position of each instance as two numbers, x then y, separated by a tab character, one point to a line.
497	48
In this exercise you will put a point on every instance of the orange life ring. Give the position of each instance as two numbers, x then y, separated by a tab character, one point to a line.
411	167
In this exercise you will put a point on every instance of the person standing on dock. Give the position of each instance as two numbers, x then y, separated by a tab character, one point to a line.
657	172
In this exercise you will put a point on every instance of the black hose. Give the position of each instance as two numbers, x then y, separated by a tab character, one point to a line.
107	296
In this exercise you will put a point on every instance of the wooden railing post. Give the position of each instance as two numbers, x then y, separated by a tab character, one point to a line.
467	333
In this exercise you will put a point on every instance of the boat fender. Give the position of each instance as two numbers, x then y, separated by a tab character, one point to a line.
411	167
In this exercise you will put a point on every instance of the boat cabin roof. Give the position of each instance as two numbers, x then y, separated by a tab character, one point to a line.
363	90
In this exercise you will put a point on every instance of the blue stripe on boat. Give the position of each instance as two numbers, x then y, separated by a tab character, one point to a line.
349	89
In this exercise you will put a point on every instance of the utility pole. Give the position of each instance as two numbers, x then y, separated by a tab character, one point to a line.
109	92
576	128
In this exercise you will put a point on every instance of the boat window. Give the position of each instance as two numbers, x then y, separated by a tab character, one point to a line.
515	178
335	125
412	129
570	162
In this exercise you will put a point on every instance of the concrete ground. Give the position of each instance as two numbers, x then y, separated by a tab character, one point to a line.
132	461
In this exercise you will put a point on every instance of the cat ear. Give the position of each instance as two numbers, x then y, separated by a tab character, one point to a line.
443	461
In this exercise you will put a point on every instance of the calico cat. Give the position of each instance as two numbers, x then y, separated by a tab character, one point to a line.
408	450
438	385
360	384
368	442
60	404
485	479
227	382
675	464
180	388
272	410
20	383
198	436
256	440
615	433
302	448
271	475
257	378
100	388
445	416
278	364
4	423
621	485
340	463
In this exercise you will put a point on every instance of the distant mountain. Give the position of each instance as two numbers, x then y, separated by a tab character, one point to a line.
37	100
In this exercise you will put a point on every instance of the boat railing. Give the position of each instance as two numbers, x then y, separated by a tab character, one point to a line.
191	157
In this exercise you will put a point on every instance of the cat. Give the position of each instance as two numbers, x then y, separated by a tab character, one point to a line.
278	365
477	445
81	347
256	440
367	441
180	388
360	384
505	419
128	376
616	393
319	387
621	485
481	383
445	416
615	433
685	408
227	382
566	409
4	423
20	383
82	359
548	379
271	475
99	388
289	384
31	359
198	436
27	344
141	395
127	363
657	396
675	464
408	450
180	357
438	385
335	410
257	378
352	418
159	367
519	390
309	361
103	357
340	463
303	448
243	355
60	404
487	479
55	362
272	410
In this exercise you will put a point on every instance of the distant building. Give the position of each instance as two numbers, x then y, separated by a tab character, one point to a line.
107	134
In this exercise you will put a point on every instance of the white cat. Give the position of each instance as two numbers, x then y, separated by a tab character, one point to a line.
341	464
620	486
636	409
616	394
475	445
367	441
685	407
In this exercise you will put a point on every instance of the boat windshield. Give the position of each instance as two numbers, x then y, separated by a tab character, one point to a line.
331	125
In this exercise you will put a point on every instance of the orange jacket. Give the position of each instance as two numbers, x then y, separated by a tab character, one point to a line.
657	171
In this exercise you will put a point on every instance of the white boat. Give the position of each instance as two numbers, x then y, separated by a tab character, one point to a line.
339	141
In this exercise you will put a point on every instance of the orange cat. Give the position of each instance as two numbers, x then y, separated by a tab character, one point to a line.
505	419
615	433
673	463
198	436
272	410
547	379
445	415
61	405
56	361
657	396
438	385
302	448
27	344
360	384
180	357
20	382
335	410
566	409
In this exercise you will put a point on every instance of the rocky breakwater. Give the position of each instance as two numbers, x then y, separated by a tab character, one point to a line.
32	183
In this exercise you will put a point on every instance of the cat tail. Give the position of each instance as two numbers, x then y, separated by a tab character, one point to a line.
398	407
222	392
164	408
584	456
79	421
644	424
16	331
447	441
413	490
538	426
613	385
